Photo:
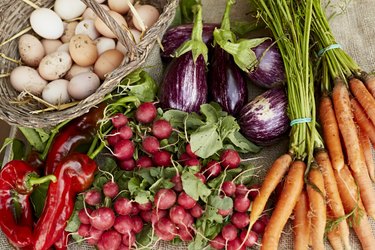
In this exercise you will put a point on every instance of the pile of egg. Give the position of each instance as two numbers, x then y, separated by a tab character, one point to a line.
68	59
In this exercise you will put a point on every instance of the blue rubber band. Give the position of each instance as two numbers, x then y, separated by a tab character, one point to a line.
300	120
330	47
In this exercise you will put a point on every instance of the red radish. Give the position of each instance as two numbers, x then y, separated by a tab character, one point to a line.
123	247
128	239
146	215
113	137
145	206
119	120
229	232
235	245
95	235
123	206
250	240
218	242
110	240
161	129
177	183
124	224
240	220
93	197
165	199
144	162
156	215
135	209
264	218
201	177
110	189
191	162
241	189
150	144
125	132
186	201
83	215
102	218
188	221
124	150
224	212
230	159
254	191
184	157
167	229
138	224
185	234
196	211
84	230
127	165
212	169
189	151
229	188
259	227
177	214
146	112
241	203
162	158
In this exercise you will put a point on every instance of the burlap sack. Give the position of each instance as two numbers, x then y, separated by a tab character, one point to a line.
354	30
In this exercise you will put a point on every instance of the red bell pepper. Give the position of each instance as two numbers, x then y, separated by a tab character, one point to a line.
17	179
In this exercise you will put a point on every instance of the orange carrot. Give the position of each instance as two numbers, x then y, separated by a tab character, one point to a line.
301	223
288	199
362	120
367	151
274	175
349	134
318	213
333	197
369	82
334	238
364	97
353	204
331	132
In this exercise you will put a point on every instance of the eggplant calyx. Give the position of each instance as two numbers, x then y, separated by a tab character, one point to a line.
241	50
195	44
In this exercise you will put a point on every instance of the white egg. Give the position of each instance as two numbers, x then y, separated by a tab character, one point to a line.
87	27
90	14
26	78
51	46
55	65
76	69
31	50
64	47
46	23
122	48
100	1
104	43
56	92
69	9
83	85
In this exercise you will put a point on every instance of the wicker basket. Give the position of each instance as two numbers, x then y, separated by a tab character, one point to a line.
15	18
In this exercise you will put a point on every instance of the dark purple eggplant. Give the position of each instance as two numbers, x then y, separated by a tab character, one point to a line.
184	86
176	36
264	120
269	72
226	82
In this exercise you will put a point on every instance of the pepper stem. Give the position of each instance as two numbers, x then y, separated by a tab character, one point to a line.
33	181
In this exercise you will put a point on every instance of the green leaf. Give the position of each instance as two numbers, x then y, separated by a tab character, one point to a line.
211	214
228	125
146	175
247	174
161	183
226	175
73	223
44	136
33	137
134	185
193	121
194	187
144	238
198	243
145	89
175	117
38	197
224	203
205	141
242	144
210	113
142	196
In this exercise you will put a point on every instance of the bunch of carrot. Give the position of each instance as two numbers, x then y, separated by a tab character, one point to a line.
327	187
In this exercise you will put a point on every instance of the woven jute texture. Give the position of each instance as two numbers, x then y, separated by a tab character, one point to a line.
354	29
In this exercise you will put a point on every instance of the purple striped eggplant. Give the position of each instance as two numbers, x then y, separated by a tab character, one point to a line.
269	72
176	36
226	82
184	86
264	120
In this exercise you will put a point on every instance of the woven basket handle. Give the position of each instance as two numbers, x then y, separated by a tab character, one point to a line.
123	35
